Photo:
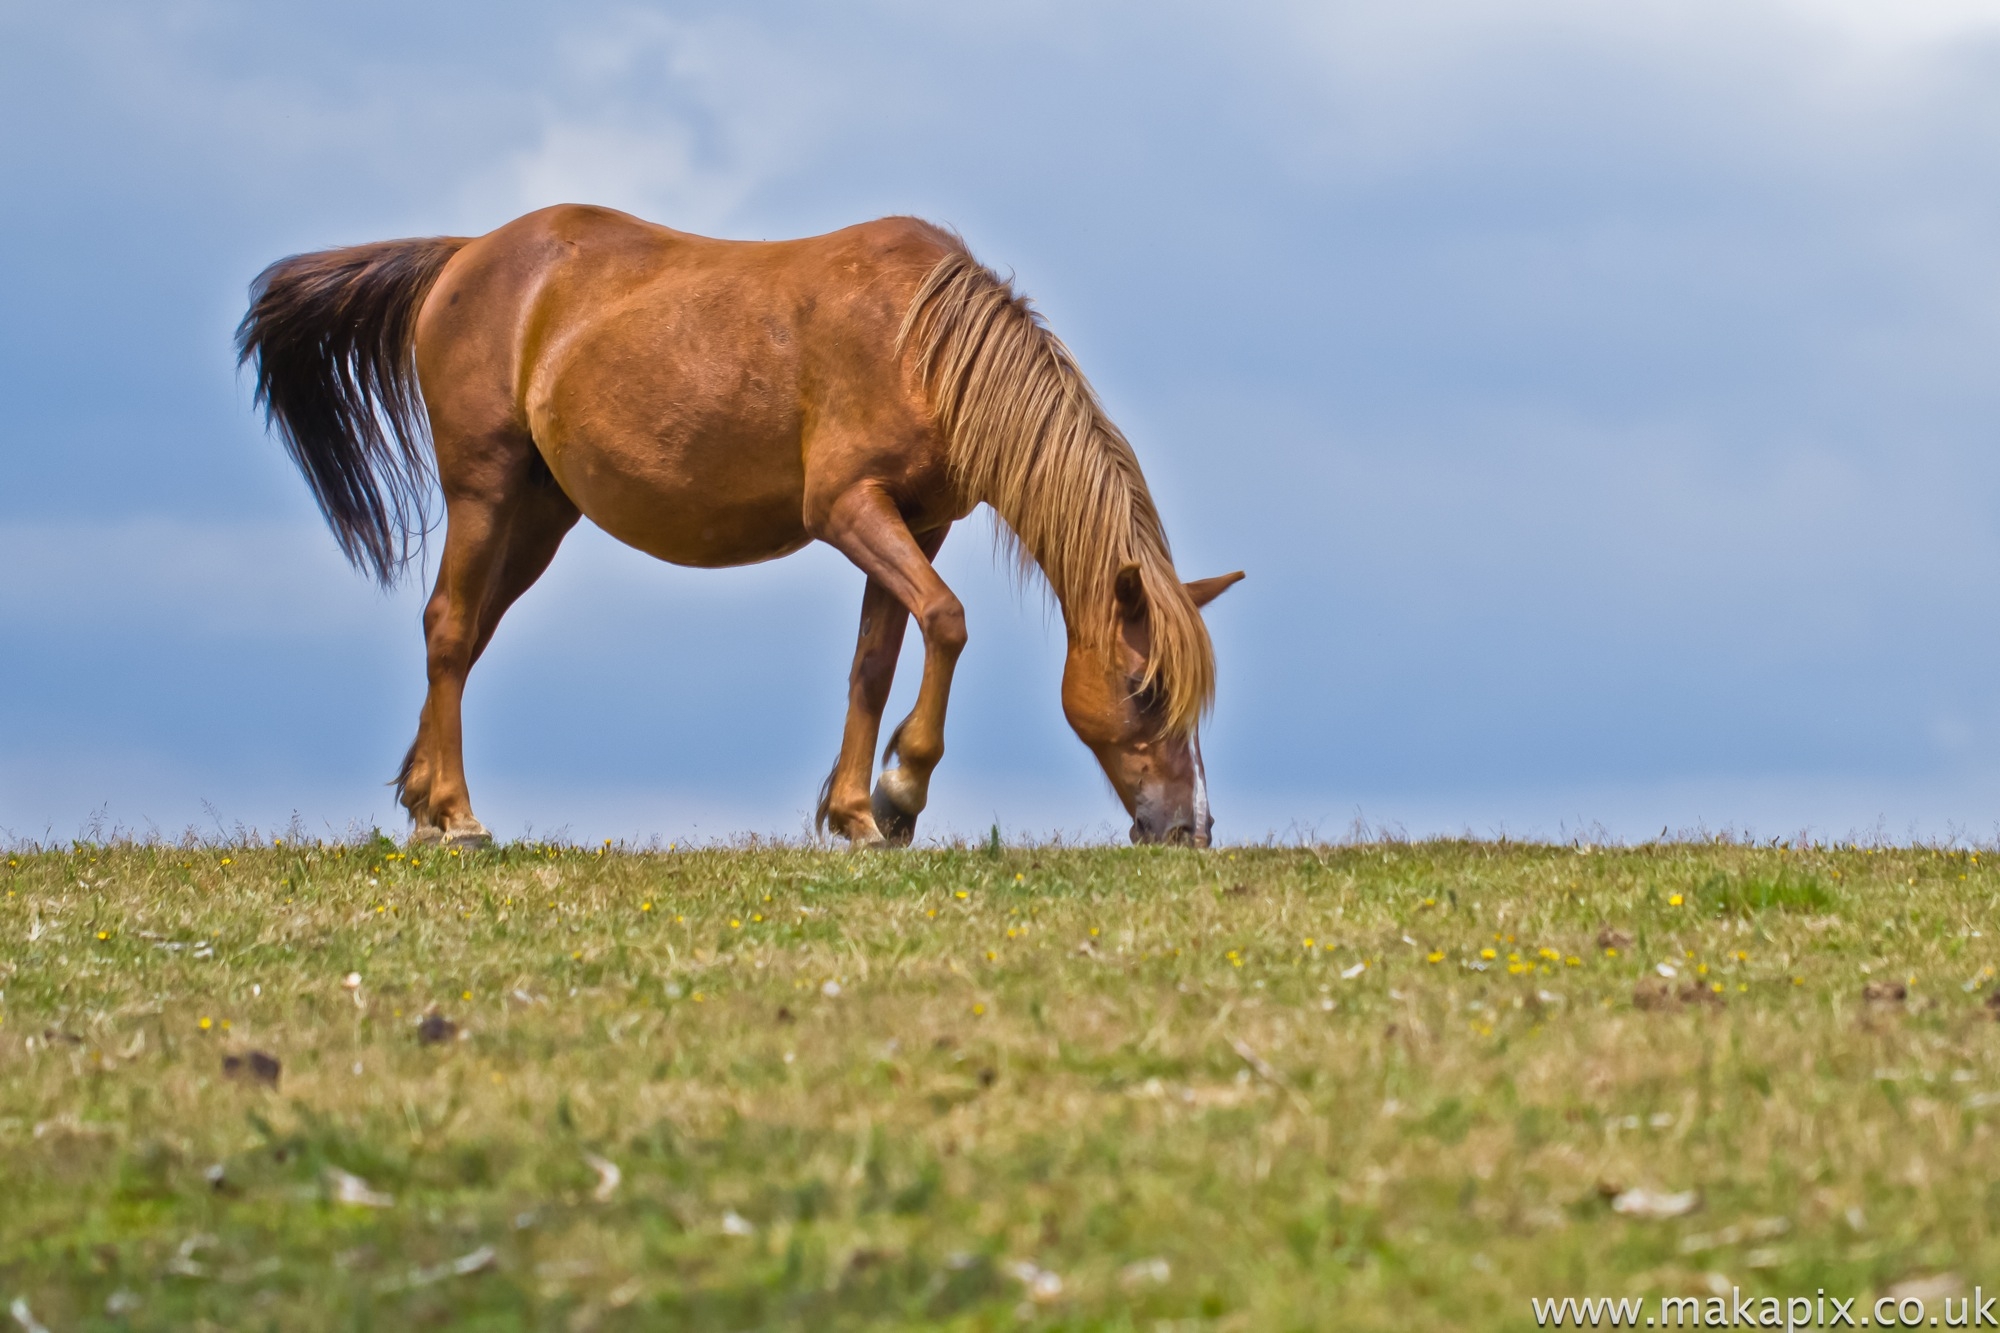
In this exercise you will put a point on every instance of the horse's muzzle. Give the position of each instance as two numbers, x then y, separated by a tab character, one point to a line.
1180	833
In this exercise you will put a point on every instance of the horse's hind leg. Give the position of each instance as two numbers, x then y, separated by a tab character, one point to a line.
500	534
844	803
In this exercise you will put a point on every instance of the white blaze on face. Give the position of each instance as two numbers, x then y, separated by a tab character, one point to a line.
1201	819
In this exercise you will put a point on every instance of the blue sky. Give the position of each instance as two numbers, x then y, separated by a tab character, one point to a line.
1602	400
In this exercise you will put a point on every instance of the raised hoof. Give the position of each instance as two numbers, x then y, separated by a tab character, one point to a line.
898	825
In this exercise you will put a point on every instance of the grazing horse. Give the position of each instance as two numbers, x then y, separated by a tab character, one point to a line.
718	403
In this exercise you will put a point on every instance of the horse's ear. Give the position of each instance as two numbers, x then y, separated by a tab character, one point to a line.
1130	590
1205	591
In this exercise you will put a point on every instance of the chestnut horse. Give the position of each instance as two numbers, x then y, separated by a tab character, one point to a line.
718	403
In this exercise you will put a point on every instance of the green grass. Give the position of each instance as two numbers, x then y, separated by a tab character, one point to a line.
1384	1086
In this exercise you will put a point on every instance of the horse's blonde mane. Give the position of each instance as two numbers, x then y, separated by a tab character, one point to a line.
1026	434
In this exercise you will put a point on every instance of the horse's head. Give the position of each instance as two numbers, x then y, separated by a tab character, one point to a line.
1157	773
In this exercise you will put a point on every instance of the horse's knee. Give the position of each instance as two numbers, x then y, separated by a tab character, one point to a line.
944	625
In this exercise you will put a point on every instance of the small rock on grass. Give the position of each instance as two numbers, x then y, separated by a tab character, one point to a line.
1655	1205
355	1192
253	1067
1934	1286
608	1176
1042	1285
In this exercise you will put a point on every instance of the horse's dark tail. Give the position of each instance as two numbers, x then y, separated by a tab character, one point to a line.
333	334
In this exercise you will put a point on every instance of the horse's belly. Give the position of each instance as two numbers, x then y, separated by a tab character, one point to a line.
701	503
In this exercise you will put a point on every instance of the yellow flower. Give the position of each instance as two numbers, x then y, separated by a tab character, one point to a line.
1674	901
206	1024
1573	961
734	924
1488	955
1434	956
226	861
990	955
1309	943
466	995
962	895
645	907
978	1009
103	934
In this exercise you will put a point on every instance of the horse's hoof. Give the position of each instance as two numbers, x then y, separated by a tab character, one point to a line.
898	827
426	835
469	834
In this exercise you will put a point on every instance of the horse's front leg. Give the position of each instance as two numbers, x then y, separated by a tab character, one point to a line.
865	526
844	803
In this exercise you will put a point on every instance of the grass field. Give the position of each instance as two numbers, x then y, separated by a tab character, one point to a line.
1379	1086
